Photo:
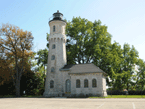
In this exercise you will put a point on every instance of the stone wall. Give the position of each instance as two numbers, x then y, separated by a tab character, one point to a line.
59	39
100	90
90	89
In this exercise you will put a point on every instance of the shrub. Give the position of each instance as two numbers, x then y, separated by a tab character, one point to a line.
131	92
90	94
81	95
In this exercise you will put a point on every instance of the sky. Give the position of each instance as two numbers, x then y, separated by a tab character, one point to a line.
125	19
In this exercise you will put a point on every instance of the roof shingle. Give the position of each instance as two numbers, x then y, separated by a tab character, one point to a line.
82	68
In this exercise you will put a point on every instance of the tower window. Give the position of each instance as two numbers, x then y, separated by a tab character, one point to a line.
77	83
52	57
86	83
94	83
54	28
52	69
51	84
53	46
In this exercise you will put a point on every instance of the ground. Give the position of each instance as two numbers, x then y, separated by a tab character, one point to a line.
78	103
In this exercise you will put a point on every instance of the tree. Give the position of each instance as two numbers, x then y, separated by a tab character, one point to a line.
130	57
39	81
87	41
42	58
15	47
6	84
33	80
141	75
113	67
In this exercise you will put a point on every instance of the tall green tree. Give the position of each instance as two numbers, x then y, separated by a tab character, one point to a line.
42	58
141	75
130	57
115	59
87	41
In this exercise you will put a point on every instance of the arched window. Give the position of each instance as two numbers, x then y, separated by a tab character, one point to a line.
54	28
85	83
53	46
52	69
78	83
94	83
51	84
52	57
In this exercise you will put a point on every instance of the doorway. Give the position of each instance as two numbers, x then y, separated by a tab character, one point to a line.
68	86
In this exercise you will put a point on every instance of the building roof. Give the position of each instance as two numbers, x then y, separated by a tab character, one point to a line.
82	68
67	67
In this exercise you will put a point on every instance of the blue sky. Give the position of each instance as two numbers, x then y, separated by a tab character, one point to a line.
125	19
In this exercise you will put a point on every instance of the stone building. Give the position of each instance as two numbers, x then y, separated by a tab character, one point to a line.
69	80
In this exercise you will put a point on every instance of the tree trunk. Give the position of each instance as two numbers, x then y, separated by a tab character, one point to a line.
127	86
17	88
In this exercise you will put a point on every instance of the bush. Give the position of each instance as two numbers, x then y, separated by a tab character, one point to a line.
81	95
98	95
136	92
90	94
74	96
7	88
118	92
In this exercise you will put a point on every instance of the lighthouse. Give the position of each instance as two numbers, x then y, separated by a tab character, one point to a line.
56	56
69	80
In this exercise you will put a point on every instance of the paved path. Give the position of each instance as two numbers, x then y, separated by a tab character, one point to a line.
68	103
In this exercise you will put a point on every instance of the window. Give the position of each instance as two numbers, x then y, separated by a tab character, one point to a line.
94	83
78	83
54	28
85	83
52	57
52	69
51	84
53	46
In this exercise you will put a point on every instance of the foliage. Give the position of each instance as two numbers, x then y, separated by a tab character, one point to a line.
42	58
37	82
140	81
15	48
87	41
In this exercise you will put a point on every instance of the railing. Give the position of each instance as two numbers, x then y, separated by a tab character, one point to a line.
51	18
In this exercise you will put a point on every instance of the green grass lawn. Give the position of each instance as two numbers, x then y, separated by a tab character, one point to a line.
122	96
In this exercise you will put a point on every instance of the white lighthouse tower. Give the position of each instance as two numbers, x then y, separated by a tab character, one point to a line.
56	56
